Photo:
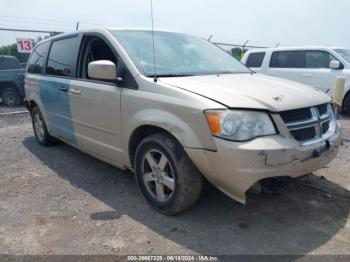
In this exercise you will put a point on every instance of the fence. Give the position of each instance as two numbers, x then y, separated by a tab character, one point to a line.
13	42
10	42
18	41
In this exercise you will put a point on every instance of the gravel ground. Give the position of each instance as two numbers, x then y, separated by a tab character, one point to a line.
6	110
57	200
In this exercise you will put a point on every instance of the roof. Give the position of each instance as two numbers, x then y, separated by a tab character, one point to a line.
103	29
8	56
287	48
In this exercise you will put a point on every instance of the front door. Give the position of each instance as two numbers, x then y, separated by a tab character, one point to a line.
320	75
95	105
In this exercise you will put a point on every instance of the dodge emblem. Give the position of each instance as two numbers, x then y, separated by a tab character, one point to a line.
278	98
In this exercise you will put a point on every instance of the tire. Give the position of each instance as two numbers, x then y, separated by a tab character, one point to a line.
11	97
346	106
40	129
178	178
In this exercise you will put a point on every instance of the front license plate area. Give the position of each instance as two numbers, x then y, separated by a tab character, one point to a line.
322	149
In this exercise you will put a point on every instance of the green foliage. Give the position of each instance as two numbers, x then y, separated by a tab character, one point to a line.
12	50
237	53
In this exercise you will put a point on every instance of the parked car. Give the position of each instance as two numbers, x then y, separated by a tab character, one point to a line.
315	66
11	81
195	112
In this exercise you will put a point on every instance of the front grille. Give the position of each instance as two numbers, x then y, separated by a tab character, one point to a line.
325	127
322	109
296	115
309	124
304	134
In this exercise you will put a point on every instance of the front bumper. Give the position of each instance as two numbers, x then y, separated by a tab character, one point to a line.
235	167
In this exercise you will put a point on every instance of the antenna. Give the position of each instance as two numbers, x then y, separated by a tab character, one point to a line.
154	49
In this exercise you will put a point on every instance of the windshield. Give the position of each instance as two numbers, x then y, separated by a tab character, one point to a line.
345	53
176	54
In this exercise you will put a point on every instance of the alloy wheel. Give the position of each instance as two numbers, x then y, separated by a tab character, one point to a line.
39	126
10	98
158	175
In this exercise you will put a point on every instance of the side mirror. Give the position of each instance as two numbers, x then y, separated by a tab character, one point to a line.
334	64
102	69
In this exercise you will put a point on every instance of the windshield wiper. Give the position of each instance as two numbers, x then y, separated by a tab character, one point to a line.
171	75
231	72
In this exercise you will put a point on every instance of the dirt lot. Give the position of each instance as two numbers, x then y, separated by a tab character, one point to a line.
57	200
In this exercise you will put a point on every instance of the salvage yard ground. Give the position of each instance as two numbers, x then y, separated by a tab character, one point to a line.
57	200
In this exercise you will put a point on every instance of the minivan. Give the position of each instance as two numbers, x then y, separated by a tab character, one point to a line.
175	109
315	66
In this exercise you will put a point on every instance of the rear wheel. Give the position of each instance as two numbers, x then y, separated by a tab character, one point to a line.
40	130
165	175
11	97
346	106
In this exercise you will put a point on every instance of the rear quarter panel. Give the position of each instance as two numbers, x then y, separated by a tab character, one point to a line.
32	92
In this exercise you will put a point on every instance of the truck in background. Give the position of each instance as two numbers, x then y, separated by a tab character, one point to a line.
315	66
11	81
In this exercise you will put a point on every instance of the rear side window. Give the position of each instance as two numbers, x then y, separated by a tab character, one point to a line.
37	59
255	59
9	62
287	59
62	57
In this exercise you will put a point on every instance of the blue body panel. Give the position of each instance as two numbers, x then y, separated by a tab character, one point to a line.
57	107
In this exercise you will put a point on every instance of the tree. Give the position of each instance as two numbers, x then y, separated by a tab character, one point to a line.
237	53
12	50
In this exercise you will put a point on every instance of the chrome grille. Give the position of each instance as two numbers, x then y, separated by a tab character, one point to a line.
310	125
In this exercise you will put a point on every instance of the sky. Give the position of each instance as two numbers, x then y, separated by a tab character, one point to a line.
262	22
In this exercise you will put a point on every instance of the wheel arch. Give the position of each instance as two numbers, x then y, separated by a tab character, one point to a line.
30	105
142	132
347	93
346	96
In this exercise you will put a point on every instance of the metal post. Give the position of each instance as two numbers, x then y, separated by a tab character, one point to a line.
244	45
338	95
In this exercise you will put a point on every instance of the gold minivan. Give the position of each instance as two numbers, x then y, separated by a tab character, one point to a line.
175	108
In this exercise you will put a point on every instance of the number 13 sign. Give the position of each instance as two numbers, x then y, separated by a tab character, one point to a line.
24	45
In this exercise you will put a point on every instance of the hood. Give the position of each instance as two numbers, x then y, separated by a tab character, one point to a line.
251	91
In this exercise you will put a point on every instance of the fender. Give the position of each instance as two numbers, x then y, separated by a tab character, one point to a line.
173	124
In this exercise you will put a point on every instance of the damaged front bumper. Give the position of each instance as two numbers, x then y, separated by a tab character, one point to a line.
235	167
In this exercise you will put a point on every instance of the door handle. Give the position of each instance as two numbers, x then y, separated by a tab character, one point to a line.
306	75
63	88
75	91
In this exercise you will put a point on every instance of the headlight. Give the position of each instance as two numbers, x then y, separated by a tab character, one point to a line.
239	125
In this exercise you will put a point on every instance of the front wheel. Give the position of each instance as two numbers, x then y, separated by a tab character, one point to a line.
165	175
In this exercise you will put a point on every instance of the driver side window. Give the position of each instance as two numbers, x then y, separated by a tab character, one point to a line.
94	49
318	59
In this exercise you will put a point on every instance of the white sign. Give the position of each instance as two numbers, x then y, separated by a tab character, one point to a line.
24	45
